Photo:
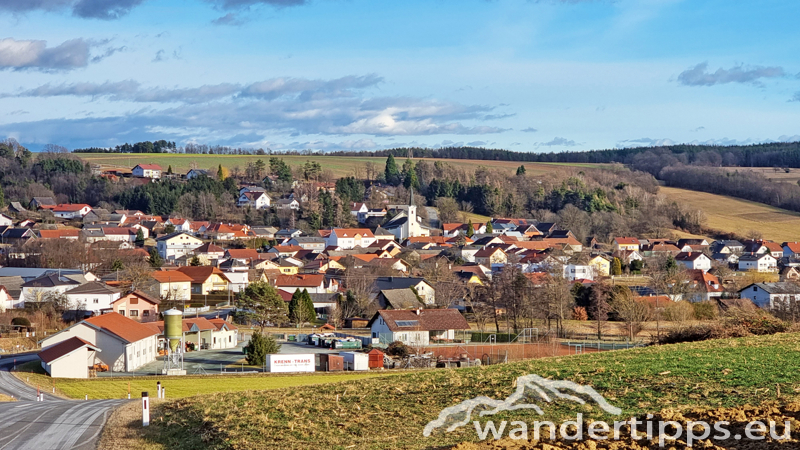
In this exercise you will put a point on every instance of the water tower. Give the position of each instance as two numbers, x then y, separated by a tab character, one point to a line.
173	333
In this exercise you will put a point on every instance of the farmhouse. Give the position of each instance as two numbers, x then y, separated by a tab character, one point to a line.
147	171
694	260
71	211
416	327
347	238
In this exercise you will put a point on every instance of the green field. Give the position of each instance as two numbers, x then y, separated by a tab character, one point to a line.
340	166
179	387
392	412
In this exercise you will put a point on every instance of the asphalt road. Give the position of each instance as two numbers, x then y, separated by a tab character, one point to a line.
51	424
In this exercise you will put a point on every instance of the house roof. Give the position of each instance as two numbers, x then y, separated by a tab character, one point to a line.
783	287
126	329
243	253
688	256
56	234
49	280
421	319
401	299
167	237
300	280
208	247
70	207
626	241
45	201
352	232
387	283
64	348
199	274
219	323
148	166
94	287
794	247
755	257
141	295
170	276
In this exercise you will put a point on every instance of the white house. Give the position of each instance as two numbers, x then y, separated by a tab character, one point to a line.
124	344
5	221
359	211
147	171
763	262
171	285
255	200
179	224
177	244
70	358
38	289
574	272
348	238
6	300
694	260
194	173
95	296
416	327
288	203
770	295
71	211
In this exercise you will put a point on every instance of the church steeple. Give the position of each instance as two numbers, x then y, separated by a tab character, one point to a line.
411	196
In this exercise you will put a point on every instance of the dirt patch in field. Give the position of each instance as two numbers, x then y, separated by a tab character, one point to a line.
738	418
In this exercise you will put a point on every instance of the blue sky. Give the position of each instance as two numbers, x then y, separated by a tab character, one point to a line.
547	75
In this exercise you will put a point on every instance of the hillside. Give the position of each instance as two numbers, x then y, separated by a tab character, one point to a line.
738	216
339	165
391	412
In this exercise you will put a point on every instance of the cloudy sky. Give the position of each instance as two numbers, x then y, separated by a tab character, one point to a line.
527	75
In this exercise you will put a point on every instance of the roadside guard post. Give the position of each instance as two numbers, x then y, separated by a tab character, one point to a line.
159	389
145	409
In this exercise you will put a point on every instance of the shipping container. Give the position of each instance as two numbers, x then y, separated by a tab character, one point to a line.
355	360
330	363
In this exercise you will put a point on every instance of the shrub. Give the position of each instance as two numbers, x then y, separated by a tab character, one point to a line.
679	311
21	321
579	313
259	347
705	310
397	348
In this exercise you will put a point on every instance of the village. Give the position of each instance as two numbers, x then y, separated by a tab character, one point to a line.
396	277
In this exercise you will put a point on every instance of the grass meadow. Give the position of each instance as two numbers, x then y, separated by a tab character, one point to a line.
391	412
340	166
739	216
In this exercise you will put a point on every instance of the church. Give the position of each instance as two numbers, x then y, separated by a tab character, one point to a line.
407	224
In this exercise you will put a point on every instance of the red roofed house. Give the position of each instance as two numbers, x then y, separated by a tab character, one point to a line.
147	171
205	279
314	283
171	285
71	211
791	249
347	238
205	334
416	327
123	344
71	234
70	358
626	243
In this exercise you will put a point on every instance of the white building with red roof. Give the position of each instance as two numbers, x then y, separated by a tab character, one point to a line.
147	171
124	345
71	210
348	238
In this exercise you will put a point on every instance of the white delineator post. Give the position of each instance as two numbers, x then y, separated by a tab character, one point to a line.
145	409
159	389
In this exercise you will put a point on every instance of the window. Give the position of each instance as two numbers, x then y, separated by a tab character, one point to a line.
121	312
96	301
146	313
134	313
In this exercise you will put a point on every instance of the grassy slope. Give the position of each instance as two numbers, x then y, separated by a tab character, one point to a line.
739	216
341	166
392	412
178	387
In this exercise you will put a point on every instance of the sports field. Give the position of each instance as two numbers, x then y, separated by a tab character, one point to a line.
740	216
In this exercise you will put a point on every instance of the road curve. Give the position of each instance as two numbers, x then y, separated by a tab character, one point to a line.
53	424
